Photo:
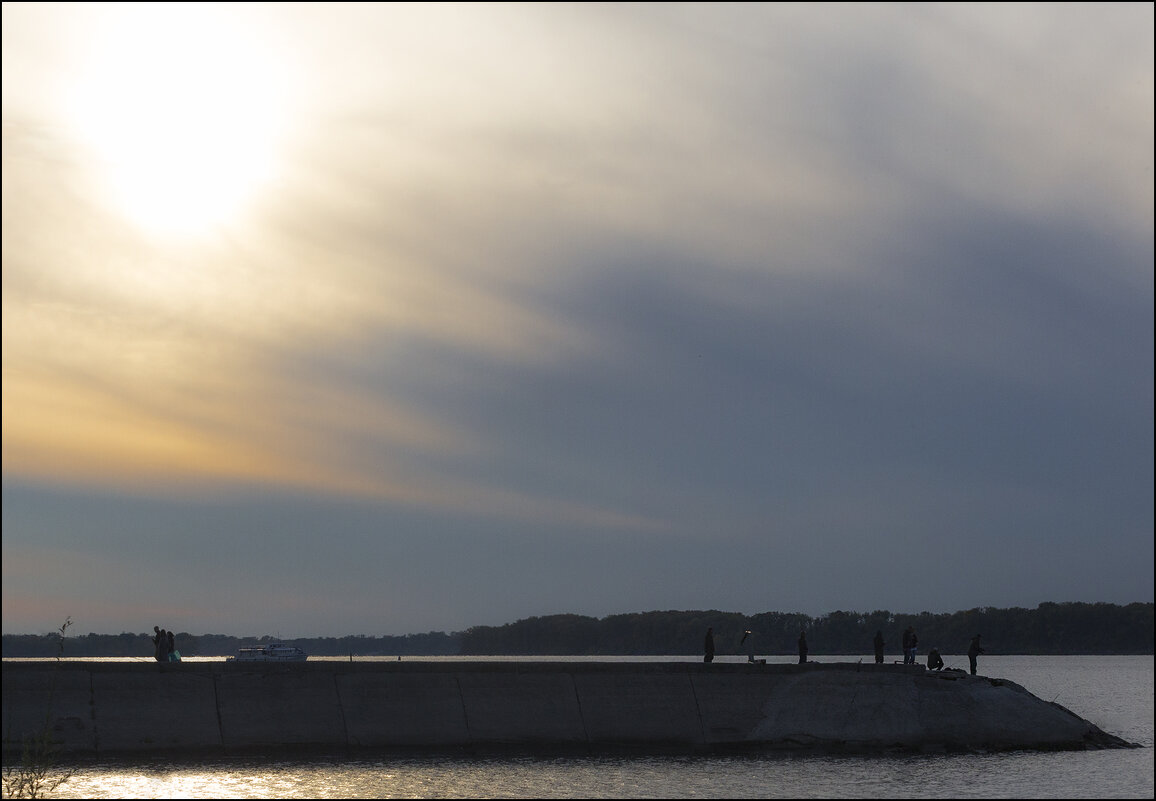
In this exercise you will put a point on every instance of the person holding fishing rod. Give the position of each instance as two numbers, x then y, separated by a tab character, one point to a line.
973	651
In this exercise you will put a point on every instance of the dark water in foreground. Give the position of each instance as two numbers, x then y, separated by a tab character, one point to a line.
1114	692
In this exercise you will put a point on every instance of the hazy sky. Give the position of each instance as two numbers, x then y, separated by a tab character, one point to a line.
330	319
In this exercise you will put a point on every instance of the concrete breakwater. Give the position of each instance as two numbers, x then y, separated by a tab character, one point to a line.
95	707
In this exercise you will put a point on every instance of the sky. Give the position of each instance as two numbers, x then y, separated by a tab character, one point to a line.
329	319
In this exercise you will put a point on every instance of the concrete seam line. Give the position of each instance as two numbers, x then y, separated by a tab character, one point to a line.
581	715
341	708
697	707
850	707
92	711
217	706
465	714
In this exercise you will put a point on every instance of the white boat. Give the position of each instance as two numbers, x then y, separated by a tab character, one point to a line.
273	652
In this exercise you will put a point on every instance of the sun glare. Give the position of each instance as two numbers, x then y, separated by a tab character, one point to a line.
183	109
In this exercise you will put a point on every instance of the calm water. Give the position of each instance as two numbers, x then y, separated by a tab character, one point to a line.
1114	692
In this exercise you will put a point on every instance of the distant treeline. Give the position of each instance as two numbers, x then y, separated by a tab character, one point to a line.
1051	628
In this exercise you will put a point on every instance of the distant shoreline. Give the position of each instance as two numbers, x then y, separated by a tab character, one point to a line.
720	658
1095	629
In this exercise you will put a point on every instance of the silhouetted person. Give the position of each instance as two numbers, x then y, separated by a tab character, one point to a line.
934	660
910	641
171	648
749	639
973	651
879	647
802	647
160	644
708	646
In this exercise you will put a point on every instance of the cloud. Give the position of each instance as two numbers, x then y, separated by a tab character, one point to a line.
638	292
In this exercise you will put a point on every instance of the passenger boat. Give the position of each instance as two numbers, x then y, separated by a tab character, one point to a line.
273	652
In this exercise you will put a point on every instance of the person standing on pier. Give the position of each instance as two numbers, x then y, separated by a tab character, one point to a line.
802	647
973	651
708	645
879	647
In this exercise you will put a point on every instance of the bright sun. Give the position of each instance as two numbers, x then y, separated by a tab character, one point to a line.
183	109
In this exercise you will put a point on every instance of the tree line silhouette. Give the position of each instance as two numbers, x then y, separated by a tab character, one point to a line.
1050	628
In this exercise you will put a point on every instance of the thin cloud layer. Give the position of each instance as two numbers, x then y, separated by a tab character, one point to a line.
595	309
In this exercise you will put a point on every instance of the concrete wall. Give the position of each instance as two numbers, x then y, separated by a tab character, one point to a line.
114	707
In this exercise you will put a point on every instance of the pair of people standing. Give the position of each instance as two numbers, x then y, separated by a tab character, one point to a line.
910	645
708	645
748	640
165	646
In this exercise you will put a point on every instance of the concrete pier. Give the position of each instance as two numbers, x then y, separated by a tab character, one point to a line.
94	707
